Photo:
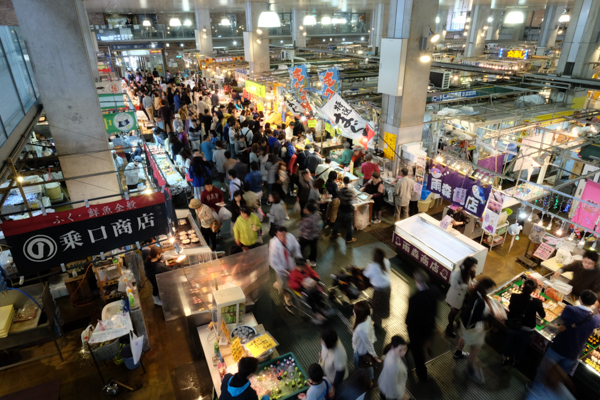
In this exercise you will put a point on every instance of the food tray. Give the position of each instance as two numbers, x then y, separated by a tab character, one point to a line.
240	328
287	392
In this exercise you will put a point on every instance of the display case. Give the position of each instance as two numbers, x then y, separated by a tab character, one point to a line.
188	291
186	238
169	172
436	249
230	305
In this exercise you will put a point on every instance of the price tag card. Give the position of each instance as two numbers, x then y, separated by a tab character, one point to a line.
312	123
237	352
446	222
225	330
543	252
260	344
328	128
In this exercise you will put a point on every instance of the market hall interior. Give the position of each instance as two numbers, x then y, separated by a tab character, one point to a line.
178	174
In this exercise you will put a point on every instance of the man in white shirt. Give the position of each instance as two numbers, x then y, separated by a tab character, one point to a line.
283	251
323	170
404	190
234	183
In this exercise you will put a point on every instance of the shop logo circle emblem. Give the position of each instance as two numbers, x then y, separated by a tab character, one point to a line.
39	248
123	122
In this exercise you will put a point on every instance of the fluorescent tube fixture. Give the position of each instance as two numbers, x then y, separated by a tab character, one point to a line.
269	19
225	22
187	22
325	21
309	20
175	22
147	22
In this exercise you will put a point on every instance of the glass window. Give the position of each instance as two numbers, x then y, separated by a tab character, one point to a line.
27	61
12	50
11	111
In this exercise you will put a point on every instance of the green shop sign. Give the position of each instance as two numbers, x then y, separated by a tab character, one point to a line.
256	89
120	122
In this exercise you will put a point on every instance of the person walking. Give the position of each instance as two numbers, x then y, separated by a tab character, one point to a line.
319	387
578	323
165	115
208	149
345	213
472	332
276	214
521	322
393	376
310	230
206	219
198	172
284	249
246	229
378	272
148	104
460	281
404	189
363	337
333	357
134	173
195	135
333	190
420	321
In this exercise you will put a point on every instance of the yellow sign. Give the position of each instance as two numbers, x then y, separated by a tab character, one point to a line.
256	88
259	107
389	146
236	350
260	344
225	330
516	54
312	123
328	127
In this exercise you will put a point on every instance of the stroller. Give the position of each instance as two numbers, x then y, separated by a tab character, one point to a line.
349	285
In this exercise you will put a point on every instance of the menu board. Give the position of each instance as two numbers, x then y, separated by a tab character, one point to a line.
544	251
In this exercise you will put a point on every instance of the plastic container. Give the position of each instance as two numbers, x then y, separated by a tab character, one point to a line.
127	357
53	190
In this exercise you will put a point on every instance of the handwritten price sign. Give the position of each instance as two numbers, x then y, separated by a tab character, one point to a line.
225	330
260	344
236	350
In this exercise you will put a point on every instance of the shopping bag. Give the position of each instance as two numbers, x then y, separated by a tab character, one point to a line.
136	343
85	337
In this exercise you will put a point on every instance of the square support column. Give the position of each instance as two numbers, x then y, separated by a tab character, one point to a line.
298	35
204	32
257	54
475	40
54	31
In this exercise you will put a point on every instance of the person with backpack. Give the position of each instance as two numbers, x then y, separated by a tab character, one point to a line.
345	213
319	386
198	172
521	322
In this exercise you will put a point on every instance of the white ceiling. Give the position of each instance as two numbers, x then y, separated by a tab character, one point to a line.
155	6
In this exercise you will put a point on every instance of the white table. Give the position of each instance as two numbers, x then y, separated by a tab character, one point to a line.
552	265
208	346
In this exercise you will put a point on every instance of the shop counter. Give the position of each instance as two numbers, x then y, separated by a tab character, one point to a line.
552	265
523	192
207	340
553	306
170	173
438	250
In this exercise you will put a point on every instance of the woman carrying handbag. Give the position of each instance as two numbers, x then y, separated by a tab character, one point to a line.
363	338
472	330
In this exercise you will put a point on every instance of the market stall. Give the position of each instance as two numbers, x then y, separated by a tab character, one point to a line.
437	249
164	170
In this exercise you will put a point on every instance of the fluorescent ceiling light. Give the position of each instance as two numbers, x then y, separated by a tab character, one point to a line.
425	58
564	18
269	19
490	19
339	21
514	17
437	20
310	20
325	21
187	22
225	22
147	22
175	22
435	38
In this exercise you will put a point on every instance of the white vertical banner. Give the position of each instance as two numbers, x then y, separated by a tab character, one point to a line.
343	116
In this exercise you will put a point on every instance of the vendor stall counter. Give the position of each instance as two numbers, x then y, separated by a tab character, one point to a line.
436	249
170	173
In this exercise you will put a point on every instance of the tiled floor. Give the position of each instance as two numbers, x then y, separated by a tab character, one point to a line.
173	372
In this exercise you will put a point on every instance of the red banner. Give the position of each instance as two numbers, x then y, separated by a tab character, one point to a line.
155	170
40	222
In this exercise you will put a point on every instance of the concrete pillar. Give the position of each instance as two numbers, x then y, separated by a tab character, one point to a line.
475	40
54	32
548	29
204	32
440	27
494	22
409	22
298	35
376	33
91	44
580	47
256	45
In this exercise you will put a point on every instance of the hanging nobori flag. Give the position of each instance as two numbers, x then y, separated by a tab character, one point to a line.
299	77
343	116
295	107
369	134
330	82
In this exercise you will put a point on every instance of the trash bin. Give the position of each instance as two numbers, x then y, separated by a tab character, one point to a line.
127	357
